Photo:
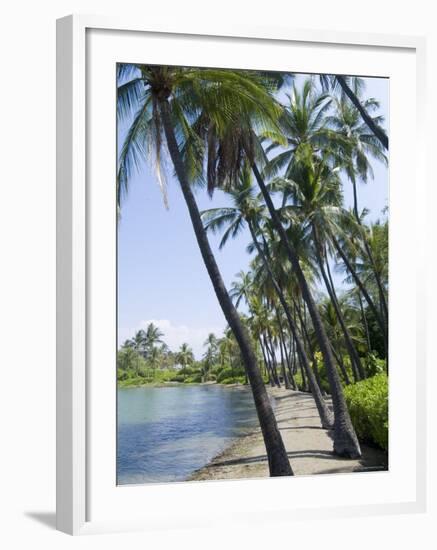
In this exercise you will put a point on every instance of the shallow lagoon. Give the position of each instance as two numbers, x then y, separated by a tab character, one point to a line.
166	433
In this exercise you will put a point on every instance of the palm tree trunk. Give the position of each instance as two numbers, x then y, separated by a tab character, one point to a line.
345	439
284	355
364	321
290	367
283	369
303	326
341	366
377	131
307	339
281	349
370	255
271	351
379	284
357	367
287	355
292	350
364	292
268	363
279	464
324	412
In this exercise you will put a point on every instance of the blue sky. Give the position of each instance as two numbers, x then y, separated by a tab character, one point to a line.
161	275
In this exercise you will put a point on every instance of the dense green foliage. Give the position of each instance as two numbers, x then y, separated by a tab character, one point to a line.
368	407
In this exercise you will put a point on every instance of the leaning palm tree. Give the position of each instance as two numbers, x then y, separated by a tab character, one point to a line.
345	439
168	102
362	146
247	209
227	153
242	287
316	192
351	87
353	245
346	121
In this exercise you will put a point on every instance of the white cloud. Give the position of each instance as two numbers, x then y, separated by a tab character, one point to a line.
176	335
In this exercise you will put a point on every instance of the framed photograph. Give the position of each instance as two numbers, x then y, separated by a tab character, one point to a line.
240	275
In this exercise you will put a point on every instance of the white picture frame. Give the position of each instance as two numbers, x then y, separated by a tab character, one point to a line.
75	391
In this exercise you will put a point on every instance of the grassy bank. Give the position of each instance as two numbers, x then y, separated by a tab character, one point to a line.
186	376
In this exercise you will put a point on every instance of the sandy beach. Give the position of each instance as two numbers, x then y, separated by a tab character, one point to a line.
308	445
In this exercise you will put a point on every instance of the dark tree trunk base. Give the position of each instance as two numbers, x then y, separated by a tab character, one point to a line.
346	443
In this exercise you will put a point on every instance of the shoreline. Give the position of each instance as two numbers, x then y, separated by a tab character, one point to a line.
308	445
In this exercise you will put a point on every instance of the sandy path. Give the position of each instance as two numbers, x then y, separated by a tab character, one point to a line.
308	445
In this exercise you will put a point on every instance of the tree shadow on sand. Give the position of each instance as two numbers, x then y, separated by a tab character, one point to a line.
372	459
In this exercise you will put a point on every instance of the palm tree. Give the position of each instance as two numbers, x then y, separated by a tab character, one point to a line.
153	336
138	344
351	87
185	355
375	261
247	209
259	321
169	102
345	439
348	245
335	333
211	342
210	355
316	193
302	123
228	153
242	287
154	358
347	122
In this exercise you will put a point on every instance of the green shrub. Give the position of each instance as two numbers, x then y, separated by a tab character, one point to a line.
368	406
132	381
323	375
187	371
234	380
298	379
375	365
227	372
178	378
129	360
122	374
195	378
216	369
162	375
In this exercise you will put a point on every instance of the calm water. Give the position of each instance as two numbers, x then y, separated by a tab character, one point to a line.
164	434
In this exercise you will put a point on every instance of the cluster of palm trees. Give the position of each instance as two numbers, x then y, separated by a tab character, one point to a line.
283	152
149	345
147	350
